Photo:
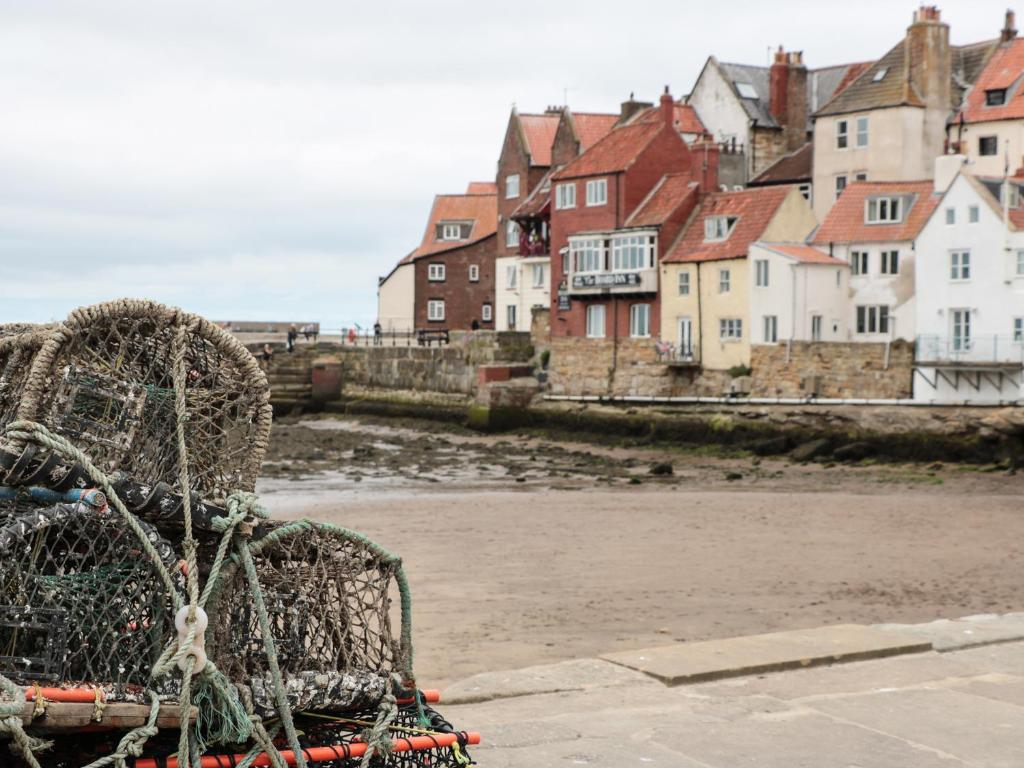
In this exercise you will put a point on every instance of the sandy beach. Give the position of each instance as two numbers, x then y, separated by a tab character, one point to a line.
521	550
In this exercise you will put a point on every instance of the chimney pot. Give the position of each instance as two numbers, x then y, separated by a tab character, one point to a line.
668	108
1010	28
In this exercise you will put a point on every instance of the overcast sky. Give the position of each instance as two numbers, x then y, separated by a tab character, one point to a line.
269	160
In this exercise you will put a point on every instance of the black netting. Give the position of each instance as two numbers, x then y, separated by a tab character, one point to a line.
328	597
79	600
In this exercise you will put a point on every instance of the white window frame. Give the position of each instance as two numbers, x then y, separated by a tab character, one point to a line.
883	210
724	280
1020	263
960	266
761	273
841	181
770	328
1018	330
435	310
817	322
474	273
511	316
511	234
451	231
973	214
730	329
539	276
862	125
640	321
684	283
597	192
587	254
842	134
873	318
511	277
595	321
487	313
950	217
436	273
718	228
890	262
512	186
631	253
859	263
960	329
565	196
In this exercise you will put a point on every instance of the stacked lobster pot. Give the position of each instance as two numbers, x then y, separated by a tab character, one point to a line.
150	610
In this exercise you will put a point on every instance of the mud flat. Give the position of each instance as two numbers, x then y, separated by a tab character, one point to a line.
522	550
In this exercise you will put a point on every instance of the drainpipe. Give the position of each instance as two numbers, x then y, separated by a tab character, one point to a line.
753	150
615	343
700	322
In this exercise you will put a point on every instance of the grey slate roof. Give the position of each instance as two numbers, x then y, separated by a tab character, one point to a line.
821	85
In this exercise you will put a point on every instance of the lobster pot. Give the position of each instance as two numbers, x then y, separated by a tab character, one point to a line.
108	380
80	601
18	347
328	600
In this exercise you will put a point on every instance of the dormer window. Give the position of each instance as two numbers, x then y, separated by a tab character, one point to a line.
880	75
746	90
718	227
995	97
883	210
453	230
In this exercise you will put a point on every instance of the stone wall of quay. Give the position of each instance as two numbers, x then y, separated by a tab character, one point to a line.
451	368
832	370
631	368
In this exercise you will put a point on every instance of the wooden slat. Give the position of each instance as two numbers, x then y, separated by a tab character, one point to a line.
64	717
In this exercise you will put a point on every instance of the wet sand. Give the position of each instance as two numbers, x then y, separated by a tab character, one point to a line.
522	551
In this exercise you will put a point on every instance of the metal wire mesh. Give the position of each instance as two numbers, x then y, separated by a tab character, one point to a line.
105	380
79	602
328	599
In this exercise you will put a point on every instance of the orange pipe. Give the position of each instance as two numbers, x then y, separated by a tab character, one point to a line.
66	695
430	696
323	754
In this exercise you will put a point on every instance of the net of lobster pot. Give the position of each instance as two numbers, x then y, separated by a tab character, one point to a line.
152	613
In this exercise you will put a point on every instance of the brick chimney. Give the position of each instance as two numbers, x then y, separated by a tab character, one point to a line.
1010	27
668	109
631	107
778	88
705	154
928	60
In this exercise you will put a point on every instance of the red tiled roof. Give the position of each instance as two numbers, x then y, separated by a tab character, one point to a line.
684	116
1004	70
804	253
845	222
482	188
591	127
615	152
481	210
666	197
754	209
536	201
539	132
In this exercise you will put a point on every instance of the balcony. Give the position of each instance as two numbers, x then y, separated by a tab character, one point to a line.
677	355
989	351
613	263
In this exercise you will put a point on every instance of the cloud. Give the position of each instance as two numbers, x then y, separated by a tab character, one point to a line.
260	159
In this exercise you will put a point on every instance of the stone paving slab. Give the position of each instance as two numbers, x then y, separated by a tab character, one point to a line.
687	663
576	675
966	632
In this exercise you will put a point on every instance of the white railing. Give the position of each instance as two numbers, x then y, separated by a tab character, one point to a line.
932	348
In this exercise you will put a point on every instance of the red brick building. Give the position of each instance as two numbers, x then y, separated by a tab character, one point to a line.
614	210
453	268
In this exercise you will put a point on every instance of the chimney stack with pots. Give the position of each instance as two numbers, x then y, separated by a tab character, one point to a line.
668	109
1010	27
788	96
928	61
705	158
631	107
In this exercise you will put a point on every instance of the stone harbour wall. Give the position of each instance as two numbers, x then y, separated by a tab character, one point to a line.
832	370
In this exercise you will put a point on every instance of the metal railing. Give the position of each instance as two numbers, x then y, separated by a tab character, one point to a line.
676	353
933	348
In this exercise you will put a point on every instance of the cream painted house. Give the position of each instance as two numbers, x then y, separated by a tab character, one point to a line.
890	123
989	128
706	279
523	283
396	297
